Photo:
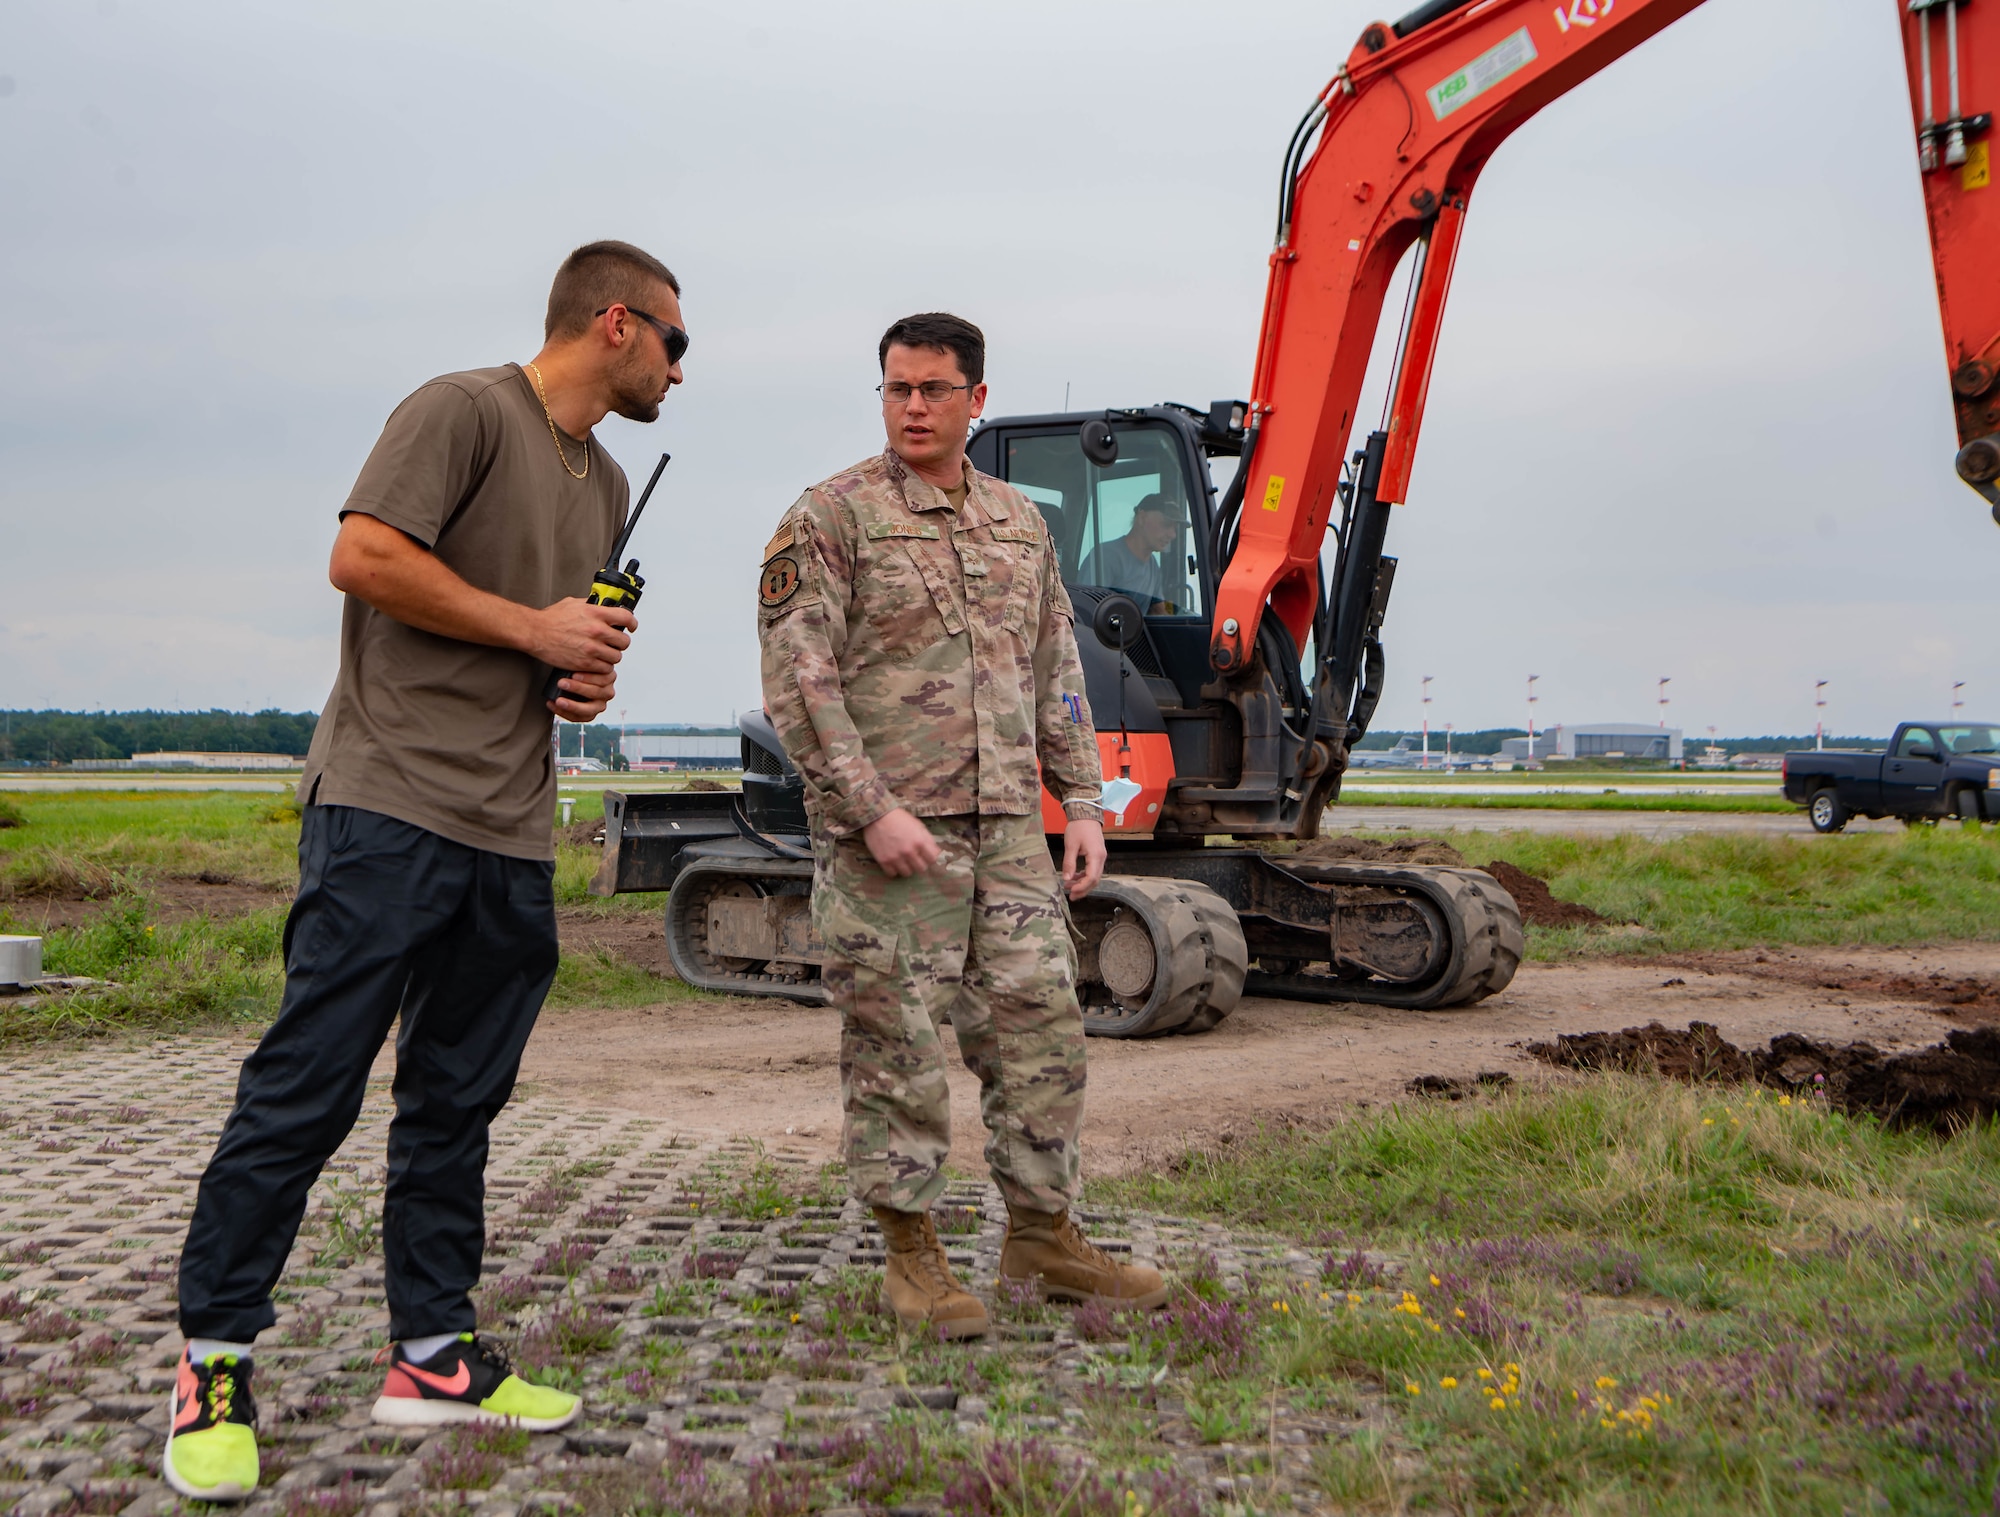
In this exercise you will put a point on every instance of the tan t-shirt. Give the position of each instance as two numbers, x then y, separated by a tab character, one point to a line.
449	736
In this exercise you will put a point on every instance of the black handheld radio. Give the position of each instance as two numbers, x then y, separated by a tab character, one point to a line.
613	586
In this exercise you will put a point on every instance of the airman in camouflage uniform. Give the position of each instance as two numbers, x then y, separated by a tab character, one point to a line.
920	665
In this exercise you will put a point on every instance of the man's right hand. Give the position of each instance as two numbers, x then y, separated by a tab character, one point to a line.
901	844
576	637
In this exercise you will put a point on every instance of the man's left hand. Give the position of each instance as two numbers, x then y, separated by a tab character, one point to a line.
584	696
1083	858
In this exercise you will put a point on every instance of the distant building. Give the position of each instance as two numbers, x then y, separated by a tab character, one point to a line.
1547	746
1601	740
706	748
195	761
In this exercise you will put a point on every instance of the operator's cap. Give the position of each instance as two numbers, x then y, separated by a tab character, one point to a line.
1166	505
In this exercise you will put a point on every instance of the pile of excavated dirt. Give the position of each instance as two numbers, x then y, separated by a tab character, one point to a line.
583	834
708	787
1539	907
1942	1087
1698	1054
1354	850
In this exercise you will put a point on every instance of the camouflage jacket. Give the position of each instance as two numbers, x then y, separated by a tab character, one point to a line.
920	656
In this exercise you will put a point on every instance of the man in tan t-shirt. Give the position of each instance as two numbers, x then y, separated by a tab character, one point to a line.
426	865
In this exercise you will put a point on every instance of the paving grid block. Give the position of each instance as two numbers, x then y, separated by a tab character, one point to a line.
593	1219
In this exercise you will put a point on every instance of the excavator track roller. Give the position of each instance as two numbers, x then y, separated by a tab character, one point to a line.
1153	955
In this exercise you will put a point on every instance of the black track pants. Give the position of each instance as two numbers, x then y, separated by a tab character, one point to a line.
389	918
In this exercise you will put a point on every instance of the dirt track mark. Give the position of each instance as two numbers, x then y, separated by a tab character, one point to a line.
1970	998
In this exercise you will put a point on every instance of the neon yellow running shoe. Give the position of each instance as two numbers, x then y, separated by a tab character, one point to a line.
469	1380
211	1430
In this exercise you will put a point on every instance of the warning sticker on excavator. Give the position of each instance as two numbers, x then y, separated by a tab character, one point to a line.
1274	492
1509	56
1978	170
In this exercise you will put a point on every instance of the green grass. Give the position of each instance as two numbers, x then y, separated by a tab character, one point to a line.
1618	801
99	839
200	972
1718	891
595	977
1794	1311
1707	892
119	848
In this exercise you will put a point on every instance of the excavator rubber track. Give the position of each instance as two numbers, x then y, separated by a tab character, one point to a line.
1419	937
1487	939
709	881
1168	943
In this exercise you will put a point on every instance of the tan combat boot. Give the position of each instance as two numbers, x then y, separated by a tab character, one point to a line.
918	1279
1071	1267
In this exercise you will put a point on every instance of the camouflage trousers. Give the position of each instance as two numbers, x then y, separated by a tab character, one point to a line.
984	939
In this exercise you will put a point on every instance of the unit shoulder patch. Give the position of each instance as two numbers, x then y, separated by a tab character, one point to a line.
779	580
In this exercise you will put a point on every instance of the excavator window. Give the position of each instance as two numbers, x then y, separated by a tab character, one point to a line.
1128	525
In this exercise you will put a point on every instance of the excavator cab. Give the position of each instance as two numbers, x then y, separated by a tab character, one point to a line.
1134	511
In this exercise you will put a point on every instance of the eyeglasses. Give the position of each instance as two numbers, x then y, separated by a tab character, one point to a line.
936	391
675	339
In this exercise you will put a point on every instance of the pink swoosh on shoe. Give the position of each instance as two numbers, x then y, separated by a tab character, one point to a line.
457	1385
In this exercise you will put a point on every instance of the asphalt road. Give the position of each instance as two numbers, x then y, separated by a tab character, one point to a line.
1648	824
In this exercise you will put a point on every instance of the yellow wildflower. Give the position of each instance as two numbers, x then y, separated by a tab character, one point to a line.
1606	1383
1458	1312
1708	1121
1449	1383
1436	1281
1486	1374
1498	1404
1413	1388
1784	1100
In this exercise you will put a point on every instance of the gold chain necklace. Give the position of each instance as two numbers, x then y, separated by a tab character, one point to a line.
542	396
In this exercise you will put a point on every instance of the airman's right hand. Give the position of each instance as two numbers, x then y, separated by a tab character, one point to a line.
901	844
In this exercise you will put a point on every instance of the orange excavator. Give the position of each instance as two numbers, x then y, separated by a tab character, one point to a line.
1231	671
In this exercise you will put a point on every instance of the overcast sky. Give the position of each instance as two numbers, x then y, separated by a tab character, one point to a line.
1690	415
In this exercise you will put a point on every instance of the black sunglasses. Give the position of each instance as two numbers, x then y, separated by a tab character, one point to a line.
675	339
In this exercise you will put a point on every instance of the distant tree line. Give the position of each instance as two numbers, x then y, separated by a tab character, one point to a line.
41	737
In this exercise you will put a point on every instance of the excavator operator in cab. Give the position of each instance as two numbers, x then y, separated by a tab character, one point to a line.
1132	563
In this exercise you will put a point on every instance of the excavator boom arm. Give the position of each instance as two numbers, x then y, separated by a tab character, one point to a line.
1387	158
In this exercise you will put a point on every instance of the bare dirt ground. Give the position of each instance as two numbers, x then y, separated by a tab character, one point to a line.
769	1069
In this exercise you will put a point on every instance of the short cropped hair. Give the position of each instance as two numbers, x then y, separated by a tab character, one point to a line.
597	275
941	332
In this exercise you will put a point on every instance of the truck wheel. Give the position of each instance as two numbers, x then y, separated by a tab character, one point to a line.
1826	812
1965	805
